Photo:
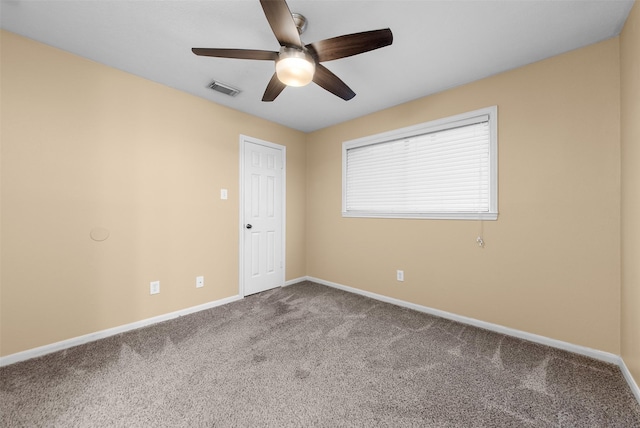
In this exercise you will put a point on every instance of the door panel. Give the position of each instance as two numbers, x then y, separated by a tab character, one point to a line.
263	206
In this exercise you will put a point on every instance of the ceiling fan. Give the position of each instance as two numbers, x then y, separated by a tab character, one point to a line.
298	64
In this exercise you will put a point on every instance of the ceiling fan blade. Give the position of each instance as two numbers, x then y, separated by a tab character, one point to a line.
281	22
236	53
350	44
332	83
274	88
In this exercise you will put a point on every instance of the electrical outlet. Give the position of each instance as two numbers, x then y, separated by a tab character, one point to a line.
199	281
154	287
400	275
223	194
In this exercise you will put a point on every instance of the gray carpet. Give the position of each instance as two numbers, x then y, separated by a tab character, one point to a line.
309	355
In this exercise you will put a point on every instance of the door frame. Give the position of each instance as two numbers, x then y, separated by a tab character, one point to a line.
244	139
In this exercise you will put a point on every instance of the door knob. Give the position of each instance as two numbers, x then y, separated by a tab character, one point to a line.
248	226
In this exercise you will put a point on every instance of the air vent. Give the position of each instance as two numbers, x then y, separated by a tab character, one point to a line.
225	89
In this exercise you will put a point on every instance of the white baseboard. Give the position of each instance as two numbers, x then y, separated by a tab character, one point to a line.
80	340
630	380
582	350
295	281
543	340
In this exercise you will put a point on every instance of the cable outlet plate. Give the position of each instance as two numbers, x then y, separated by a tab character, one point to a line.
199	281
154	287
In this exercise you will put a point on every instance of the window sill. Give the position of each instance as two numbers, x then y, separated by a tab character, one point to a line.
424	216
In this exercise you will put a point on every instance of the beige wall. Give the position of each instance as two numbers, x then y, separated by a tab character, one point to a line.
86	146
630	132
551	265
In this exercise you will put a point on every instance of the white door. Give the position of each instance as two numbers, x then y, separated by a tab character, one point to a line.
262	233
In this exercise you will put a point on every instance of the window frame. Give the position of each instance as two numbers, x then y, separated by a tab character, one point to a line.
426	128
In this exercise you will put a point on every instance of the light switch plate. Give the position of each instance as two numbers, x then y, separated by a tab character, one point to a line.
154	287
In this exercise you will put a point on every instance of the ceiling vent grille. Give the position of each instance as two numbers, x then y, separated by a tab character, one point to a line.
223	88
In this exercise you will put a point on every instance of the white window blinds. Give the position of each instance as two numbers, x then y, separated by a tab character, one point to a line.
442	171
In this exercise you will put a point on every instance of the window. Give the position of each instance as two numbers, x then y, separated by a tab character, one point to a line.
445	169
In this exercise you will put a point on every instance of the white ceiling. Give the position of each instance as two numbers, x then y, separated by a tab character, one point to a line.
437	44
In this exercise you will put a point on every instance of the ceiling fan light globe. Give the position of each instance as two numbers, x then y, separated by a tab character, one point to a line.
295	68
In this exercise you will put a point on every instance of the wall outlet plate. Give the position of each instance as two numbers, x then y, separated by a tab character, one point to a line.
199	281
154	287
400	275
